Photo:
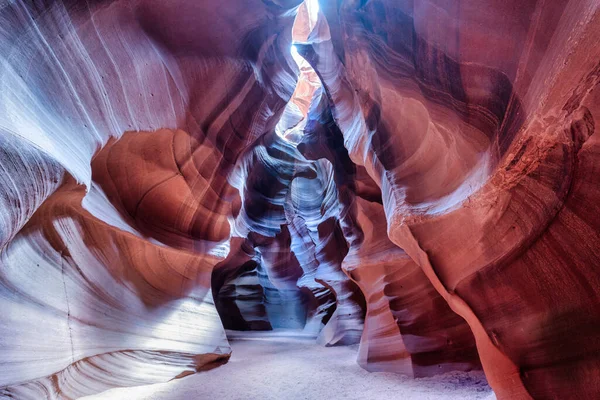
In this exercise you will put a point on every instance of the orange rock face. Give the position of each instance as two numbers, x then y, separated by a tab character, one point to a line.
420	178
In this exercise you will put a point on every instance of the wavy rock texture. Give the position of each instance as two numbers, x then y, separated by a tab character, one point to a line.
108	283
477	121
416	177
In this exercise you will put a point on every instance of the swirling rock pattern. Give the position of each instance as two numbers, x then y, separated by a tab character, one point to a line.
416	177
480	140
106	265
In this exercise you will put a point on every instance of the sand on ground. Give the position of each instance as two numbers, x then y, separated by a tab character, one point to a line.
278	366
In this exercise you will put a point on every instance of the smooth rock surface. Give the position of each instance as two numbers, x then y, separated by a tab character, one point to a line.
420	178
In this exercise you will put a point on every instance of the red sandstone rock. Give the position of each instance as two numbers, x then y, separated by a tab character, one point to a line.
424	183
477	139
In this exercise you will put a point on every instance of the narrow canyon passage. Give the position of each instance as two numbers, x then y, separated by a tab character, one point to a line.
296	199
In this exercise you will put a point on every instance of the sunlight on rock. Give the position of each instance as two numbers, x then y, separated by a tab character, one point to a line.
299	199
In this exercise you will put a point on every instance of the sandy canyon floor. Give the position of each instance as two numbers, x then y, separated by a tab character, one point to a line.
279	366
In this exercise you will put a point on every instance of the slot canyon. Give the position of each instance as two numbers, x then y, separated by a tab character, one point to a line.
287	199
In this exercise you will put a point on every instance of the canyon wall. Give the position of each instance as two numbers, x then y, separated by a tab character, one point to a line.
415	177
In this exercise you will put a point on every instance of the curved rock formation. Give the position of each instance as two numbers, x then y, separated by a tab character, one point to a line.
109	282
478	138
416	177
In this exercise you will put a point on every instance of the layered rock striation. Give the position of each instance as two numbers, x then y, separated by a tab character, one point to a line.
416	177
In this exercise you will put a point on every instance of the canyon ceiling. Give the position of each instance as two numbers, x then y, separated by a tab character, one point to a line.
419	177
